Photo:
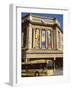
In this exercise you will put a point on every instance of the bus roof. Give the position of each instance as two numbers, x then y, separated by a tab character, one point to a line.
36	61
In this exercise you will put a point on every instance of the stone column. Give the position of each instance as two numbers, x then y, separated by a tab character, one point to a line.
29	29
40	38
33	38
46	40
54	64
22	35
26	60
54	38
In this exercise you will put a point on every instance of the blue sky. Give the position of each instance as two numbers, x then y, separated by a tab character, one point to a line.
59	17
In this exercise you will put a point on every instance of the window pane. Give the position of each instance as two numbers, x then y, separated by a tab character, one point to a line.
37	38
43	40
49	39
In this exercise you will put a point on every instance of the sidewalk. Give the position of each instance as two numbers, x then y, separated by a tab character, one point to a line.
58	71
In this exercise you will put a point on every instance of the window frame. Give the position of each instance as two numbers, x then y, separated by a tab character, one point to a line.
51	39
40	38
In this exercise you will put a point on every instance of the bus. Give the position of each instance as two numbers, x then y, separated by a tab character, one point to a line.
37	68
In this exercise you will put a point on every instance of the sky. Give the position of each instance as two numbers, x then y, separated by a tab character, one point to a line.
59	17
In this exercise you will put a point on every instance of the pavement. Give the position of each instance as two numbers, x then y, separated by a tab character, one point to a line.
58	71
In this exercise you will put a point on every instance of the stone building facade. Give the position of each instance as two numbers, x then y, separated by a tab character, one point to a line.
42	38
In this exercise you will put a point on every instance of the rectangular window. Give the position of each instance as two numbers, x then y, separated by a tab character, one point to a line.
49	39
37	38
43	39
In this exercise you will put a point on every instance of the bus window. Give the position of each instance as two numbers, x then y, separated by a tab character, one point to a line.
34	66
50	65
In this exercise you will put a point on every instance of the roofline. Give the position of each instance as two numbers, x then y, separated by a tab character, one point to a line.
60	29
38	16
43	17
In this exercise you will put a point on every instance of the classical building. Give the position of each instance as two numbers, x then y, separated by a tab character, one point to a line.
42	38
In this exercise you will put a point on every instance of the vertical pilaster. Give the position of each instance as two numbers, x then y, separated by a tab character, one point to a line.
40	38
33	38
54	64
54	38
46	40
29	36
26	60
22	34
